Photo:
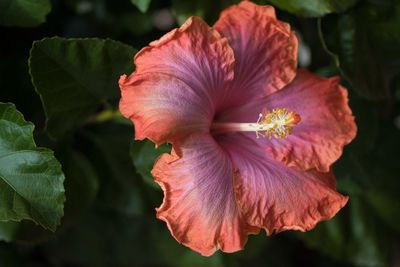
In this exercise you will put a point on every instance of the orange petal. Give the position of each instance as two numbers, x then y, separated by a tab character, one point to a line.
162	107
327	122
199	206
265	49
275	197
326	125
178	79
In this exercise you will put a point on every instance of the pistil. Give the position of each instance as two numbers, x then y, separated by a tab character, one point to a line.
278	123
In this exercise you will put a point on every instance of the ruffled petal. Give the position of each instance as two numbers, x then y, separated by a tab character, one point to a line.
275	197
199	206
265	49
163	108
326	125
178	79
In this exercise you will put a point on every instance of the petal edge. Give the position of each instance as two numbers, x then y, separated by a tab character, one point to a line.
199	206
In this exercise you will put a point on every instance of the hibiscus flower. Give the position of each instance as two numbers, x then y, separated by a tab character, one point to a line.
253	138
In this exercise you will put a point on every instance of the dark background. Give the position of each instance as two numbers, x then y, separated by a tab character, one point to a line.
109	213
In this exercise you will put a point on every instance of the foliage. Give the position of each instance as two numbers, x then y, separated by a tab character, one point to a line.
84	71
88	198
142	5
31	180
23	13
313	8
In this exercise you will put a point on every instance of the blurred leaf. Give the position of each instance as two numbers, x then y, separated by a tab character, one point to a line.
209	10
365	72
31	180
119	184
354	235
142	238
387	208
178	255
193	259
384	18
23	13
81	182
366	245
365	41
313	8
358	234
124	241
85	244
8	231
184	9
9	256
142	5
143	22
75	76
382	194
367	120
144	154
26	232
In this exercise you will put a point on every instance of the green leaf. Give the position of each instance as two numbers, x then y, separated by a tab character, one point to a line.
142	5
31	179
81	187
144	154
23	13
75	76
313	8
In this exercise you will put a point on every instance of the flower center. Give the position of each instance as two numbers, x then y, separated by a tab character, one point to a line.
278	123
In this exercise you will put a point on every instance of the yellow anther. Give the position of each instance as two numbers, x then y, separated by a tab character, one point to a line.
278	123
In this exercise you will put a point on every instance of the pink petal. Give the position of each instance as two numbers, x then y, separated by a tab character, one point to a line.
199	206
326	122
265	49
275	197
178	81
162	107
